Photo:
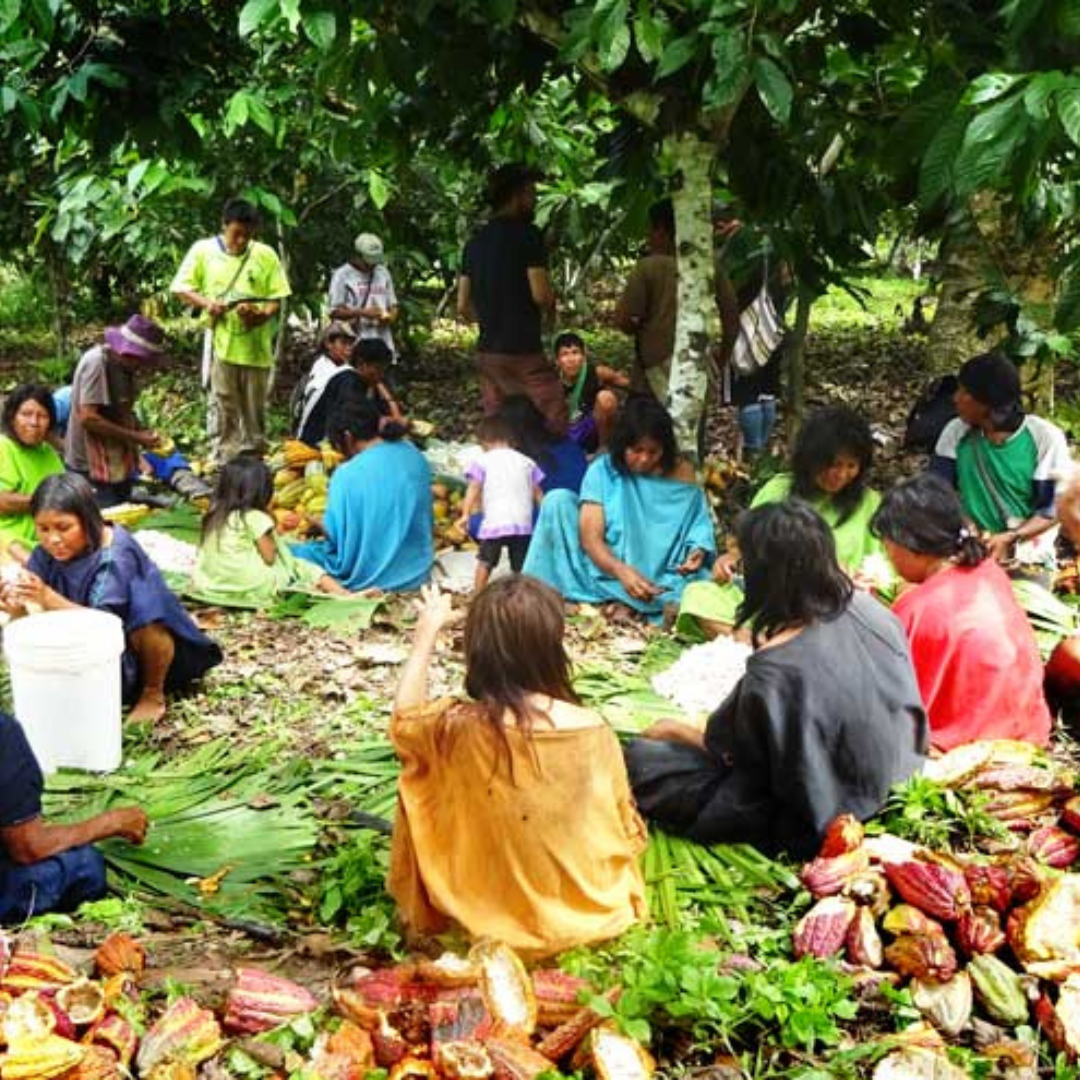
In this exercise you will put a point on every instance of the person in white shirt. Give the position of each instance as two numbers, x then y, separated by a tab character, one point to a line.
504	485
362	292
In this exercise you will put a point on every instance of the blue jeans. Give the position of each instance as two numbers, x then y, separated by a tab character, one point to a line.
59	883
756	423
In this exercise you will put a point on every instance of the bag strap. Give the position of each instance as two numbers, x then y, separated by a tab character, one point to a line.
579	387
239	270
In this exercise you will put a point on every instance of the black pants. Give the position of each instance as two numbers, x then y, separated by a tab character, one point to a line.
491	551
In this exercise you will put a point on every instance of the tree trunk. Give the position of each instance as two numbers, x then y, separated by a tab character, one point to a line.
60	287
795	363
697	328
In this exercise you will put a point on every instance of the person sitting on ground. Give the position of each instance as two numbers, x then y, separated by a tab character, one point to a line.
27	456
803	736
590	396
514	816
104	438
330	378
639	532
242	562
830	469
974	652
82	562
371	358
504	485
1002	461
362	293
561	460
378	520
46	866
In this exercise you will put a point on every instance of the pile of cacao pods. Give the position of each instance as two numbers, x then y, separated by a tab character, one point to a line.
466	1018
998	931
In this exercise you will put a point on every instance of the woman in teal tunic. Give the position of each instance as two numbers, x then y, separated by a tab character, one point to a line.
639	531
830	470
378	514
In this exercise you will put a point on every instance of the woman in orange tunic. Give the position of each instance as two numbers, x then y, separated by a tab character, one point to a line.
515	819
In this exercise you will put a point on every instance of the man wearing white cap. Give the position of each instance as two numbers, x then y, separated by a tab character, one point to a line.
104	439
362	292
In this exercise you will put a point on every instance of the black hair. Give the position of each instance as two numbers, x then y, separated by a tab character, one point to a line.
992	379
242	211
531	434
359	418
643	418
569	340
791	575
372	351
245	483
826	434
662	216
925	516
19	397
70	493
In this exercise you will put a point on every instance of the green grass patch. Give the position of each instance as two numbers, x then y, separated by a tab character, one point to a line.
874	304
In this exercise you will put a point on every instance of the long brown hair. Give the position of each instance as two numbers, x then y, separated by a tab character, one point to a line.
514	648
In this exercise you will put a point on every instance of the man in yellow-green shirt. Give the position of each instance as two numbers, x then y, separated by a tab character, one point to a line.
239	282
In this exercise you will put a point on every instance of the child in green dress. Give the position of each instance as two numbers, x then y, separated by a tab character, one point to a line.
241	561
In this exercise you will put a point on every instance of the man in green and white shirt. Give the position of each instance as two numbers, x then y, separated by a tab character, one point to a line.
239	283
1003	462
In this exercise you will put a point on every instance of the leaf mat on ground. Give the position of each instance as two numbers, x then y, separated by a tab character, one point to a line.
221	808
183	521
626	700
343	613
1051	618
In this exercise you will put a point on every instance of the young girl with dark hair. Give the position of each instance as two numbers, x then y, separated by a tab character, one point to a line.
974	652
514	816
378	521
242	562
82	562
830	469
826	719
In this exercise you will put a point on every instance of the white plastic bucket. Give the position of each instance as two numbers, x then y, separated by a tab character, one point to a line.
65	682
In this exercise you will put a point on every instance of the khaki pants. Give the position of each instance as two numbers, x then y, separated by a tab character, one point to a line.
239	398
503	375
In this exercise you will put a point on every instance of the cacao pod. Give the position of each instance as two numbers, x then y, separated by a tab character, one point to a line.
515	1060
922	956
822	931
908	919
1070	813
260	1001
35	971
869	890
98	1063
119	952
863	941
614	1056
1026	878
558	995
39	1058
827	875
979	931
1053	846
83	1002
843	834
999	988
185	1034
947	1005
449	971
463	1061
505	985
116	1033
1061	1022
28	1017
931	887
1048	927
990	885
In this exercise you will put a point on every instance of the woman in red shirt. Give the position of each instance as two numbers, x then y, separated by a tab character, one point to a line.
974	652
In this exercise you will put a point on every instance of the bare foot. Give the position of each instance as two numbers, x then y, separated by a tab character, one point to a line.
149	708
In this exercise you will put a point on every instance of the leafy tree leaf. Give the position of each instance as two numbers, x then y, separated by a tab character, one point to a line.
936	171
612	56
677	54
321	29
773	88
9	99
1068	110
291	10
989	143
648	34
990	87
257	13
378	189
1068	18
1067	308
9	12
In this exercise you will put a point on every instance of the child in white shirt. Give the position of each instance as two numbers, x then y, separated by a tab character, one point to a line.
505	485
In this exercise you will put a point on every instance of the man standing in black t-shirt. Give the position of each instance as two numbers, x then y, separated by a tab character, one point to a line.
505	287
46	867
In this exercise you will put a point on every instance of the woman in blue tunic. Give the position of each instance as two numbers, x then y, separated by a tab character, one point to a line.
378	514
82	562
639	531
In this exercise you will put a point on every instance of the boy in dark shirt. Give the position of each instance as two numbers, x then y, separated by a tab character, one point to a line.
590	393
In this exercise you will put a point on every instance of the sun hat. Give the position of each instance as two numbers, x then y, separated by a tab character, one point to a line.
506	179
338	329
139	336
369	247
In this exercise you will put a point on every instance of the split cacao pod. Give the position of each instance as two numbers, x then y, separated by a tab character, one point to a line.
990	885
827	875
119	952
922	956
185	1034
999	988
259	1001
843	834
822	931
979	931
947	1005
863	942
116	1033
35	971
908	919
938	890
40	1058
505	985
1053	846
